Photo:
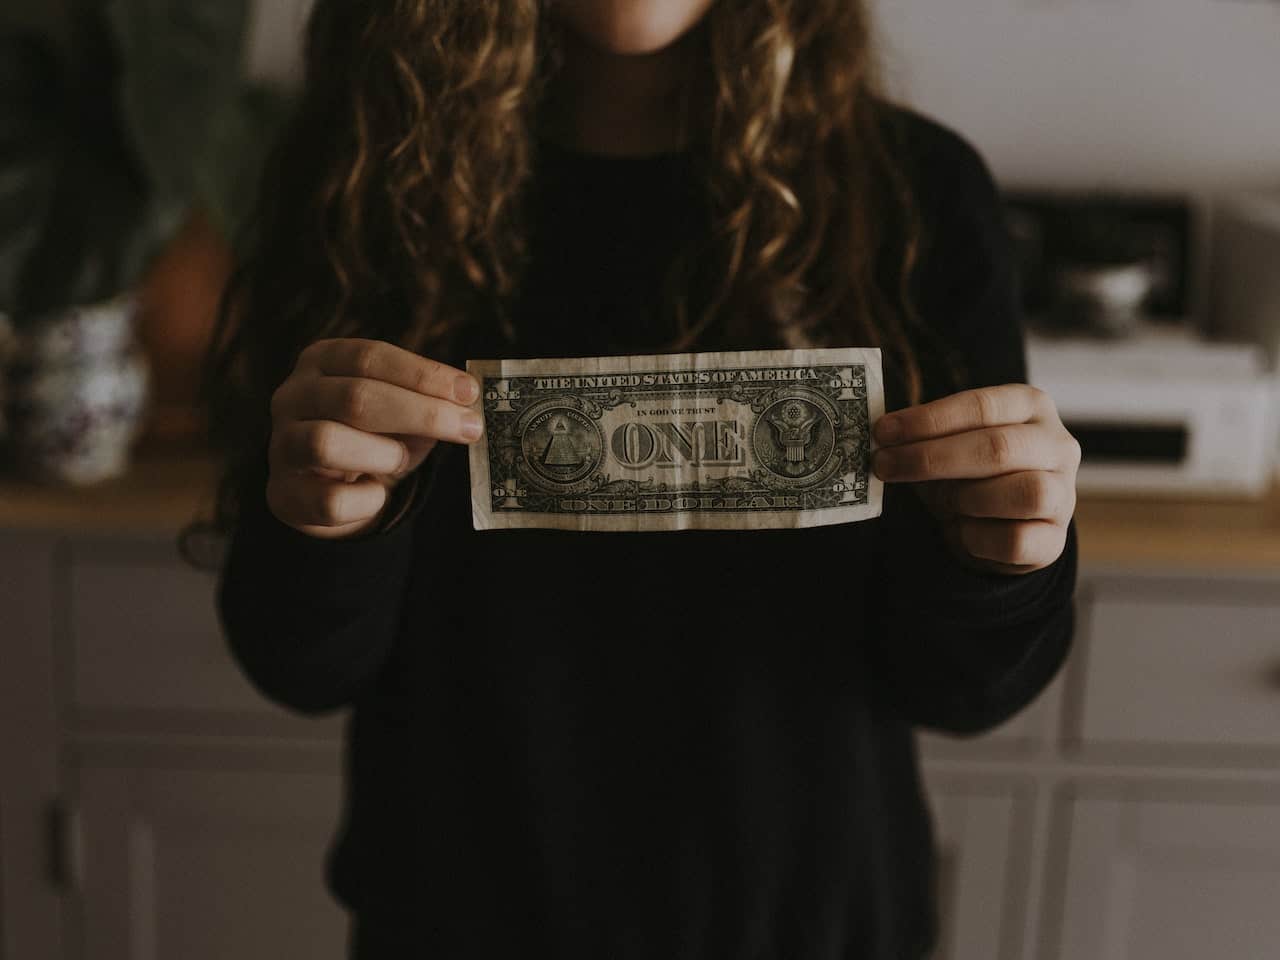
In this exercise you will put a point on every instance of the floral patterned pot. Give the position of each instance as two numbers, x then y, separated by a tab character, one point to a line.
76	394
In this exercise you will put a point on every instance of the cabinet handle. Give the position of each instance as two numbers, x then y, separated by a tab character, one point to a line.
1273	676
66	850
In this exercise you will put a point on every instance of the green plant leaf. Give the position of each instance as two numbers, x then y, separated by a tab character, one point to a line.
229	173
89	244
152	115
32	103
26	190
181	67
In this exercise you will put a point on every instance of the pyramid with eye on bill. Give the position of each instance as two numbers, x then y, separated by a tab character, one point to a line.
561	451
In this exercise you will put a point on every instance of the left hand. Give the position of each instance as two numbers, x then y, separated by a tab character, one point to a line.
995	466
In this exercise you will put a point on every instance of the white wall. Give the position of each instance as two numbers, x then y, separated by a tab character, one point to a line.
1164	94
275	37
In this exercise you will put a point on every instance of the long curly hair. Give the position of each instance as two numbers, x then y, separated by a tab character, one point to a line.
391	207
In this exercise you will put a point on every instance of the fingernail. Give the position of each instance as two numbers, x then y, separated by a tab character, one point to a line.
472	425
888	429
465	389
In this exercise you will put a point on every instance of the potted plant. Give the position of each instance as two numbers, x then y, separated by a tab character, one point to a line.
118	118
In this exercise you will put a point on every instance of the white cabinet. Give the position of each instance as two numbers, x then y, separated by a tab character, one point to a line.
206	864
152	804
144	634
144	652
1131	813
1147	781
1157	873
979	834
30	908
1184	670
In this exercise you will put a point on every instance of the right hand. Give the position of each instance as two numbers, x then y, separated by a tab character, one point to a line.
353	419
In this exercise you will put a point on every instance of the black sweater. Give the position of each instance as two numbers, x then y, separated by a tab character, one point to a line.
625	746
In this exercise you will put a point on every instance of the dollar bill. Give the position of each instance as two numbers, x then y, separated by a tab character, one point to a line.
735	440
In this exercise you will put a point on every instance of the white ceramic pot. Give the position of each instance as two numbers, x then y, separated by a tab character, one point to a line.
77	394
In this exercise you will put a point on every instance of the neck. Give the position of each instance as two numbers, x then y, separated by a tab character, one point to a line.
619	104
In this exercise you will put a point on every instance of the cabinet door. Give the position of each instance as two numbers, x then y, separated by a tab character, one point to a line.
1180	667
1153	877
159	663
208	865
30	909
1035	729
980	862
1028	731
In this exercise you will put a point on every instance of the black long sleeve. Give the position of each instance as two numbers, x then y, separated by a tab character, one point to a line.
964	649
310	620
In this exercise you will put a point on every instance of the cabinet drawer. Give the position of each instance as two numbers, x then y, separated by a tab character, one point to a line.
145	639
1194	672
145	634
1026	732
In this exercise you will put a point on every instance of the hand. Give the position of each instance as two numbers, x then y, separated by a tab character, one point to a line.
995	466
354	418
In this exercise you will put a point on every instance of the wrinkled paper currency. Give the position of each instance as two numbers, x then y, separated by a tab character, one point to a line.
725	441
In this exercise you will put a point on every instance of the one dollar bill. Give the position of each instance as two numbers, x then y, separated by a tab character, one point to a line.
723	441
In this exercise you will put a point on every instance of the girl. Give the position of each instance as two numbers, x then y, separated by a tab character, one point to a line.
627	745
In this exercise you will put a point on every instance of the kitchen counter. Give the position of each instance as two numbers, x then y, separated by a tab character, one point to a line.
161	493
165	490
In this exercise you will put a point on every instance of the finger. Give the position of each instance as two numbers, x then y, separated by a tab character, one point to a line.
380	360
418	447
376	407
992	452
306	499
328	444
1009	403
1015	542
1030	495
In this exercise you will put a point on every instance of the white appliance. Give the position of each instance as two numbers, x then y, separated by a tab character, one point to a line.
1245	272
1164	412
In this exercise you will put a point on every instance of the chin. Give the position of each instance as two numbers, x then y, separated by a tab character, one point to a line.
630	26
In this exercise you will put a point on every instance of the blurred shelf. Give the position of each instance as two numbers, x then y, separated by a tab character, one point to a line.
1150	533
165	490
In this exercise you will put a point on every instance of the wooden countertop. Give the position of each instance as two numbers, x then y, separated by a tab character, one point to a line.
161	493
1148	533
165	490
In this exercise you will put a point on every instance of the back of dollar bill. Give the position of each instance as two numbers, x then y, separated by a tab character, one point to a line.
705	441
